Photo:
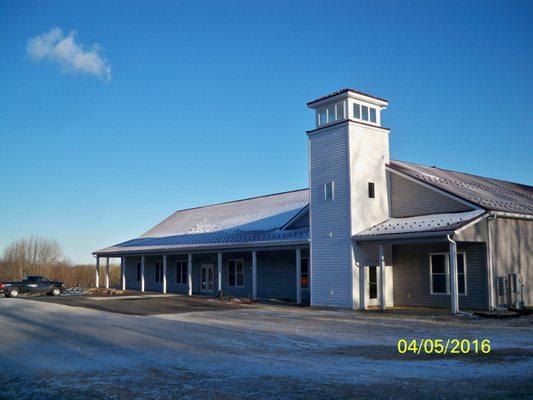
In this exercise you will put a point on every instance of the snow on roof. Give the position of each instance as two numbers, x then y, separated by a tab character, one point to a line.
240	222
488	193
420	224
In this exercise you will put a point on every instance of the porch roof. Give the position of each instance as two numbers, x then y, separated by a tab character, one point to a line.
419	226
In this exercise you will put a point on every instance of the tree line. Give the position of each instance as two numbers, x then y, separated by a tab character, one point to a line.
41	256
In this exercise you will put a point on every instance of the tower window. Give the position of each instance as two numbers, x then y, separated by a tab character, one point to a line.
329	189
372	115
371	190
357	111
340	110
364	113
331	114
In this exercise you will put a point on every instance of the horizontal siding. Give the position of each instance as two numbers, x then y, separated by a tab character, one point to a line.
512	252
409	198
412	276
330	220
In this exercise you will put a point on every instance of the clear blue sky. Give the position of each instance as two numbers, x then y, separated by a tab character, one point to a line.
205	102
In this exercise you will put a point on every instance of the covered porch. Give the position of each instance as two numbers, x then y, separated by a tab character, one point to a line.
280	273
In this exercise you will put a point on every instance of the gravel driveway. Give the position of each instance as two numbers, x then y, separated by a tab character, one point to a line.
50	350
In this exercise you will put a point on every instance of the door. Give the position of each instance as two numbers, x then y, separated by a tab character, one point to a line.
32	284
372	286
207	278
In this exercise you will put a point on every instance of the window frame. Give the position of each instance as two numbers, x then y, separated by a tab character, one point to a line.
235	274
158	271
447	274
179	265
139	271
332	183
306	274
371	190
370	110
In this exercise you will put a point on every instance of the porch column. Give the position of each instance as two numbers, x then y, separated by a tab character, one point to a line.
453	277
107	273
298	276
123	271
189	274
382	275
142	273
97	271
219	271
254	275
164	273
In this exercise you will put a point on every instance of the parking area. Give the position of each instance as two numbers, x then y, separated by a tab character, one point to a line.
139	304
53	350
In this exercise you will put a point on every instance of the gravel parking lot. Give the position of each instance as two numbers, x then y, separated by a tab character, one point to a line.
51	350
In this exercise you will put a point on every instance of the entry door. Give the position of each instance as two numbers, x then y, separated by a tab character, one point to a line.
207	278
372	285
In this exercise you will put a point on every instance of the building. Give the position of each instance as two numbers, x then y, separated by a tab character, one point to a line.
369	231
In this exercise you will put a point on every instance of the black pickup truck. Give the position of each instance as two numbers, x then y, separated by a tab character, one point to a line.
32	285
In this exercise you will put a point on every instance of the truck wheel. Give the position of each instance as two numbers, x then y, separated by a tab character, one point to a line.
56	292
13	293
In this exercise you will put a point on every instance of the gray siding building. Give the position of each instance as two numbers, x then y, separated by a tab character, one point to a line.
370	232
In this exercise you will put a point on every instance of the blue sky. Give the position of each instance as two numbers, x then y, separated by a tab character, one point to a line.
204	102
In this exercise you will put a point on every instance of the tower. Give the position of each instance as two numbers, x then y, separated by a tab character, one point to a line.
348	151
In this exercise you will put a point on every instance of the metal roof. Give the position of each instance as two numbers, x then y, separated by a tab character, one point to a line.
420	224
327	96
236	223
487	193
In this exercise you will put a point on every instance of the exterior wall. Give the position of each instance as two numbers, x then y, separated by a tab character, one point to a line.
368	256
512	252
412	276
409	199
330	220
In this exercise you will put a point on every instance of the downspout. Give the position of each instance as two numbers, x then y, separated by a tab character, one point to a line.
459	312
490	271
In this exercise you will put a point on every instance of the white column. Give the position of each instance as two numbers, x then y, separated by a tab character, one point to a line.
164	273
254	275
362	286
189	275
382	275
97	282
123	272
219	270
453	277
142	273
298	276
107	273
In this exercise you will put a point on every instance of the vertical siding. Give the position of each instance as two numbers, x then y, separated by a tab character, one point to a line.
512	252
409	198
331	244
412	276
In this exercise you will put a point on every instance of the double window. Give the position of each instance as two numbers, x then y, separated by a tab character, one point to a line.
304	276
364	113
439	269
158	271
181	272
236	272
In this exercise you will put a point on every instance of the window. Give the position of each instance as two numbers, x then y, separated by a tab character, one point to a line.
371	190
236	273
181	272
138	271
439	264
364	115
340	110
322	117
304	276
329	190
331	114
372	115
158	271
357	111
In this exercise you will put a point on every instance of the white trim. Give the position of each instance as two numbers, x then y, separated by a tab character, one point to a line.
503	214
427	185
447	273
299	215
471	223
332	191
235	272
